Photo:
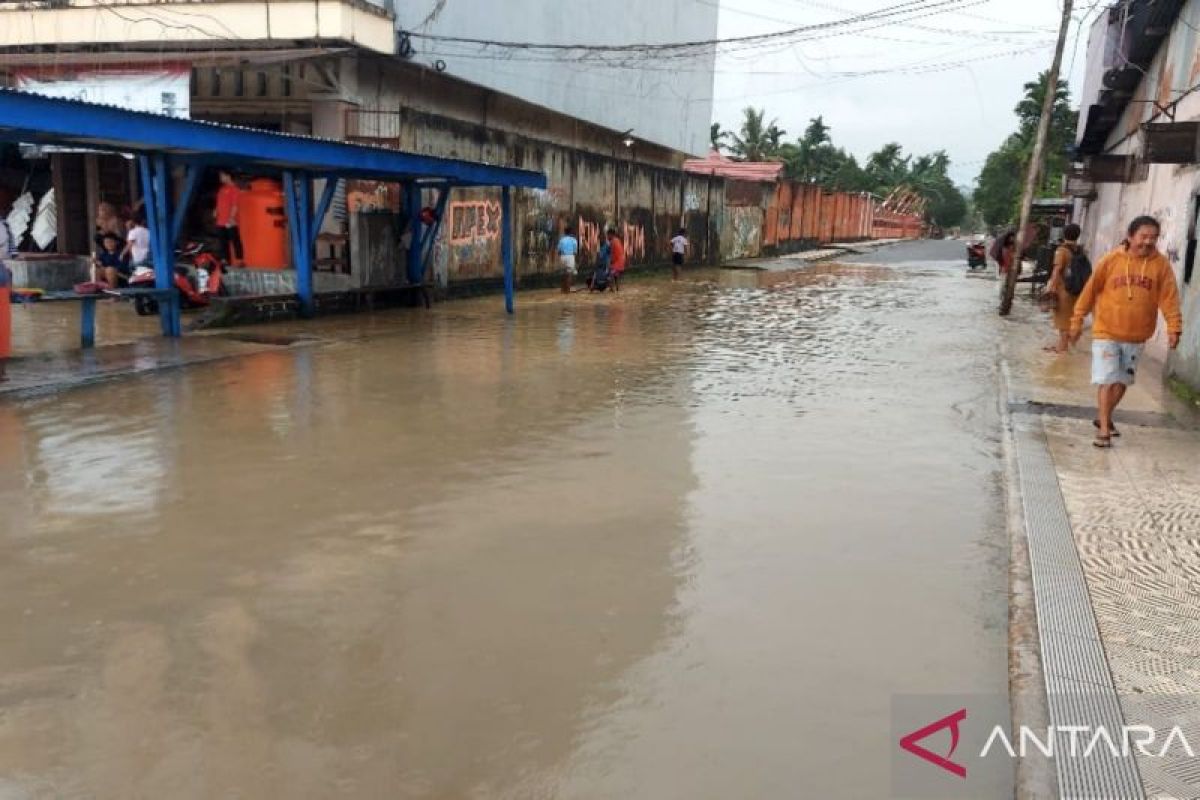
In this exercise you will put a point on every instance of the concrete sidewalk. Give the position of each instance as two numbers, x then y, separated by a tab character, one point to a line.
820	254
1133	515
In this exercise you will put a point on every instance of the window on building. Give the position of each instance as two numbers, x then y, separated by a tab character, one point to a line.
1189	261
285	85
239	84
214	83
261	88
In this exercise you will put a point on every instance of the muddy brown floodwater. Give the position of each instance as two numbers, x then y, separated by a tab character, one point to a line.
687	541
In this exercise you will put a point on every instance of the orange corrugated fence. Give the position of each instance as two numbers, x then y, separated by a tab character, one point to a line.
801	214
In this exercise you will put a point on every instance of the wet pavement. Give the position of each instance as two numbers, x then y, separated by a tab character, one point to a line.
1134	521
689	540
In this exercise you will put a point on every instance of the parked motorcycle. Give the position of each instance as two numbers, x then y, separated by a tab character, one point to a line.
198	277
976	256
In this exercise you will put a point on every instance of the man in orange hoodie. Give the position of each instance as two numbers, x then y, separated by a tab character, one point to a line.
1128	288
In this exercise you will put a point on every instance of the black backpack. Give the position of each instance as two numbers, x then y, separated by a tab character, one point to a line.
1078	270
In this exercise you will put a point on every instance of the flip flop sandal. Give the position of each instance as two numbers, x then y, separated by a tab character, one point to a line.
1102	442
1112	429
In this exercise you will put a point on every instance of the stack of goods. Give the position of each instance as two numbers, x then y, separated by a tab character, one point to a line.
45	224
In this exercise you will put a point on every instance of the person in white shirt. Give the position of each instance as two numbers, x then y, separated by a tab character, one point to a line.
137	243
679	247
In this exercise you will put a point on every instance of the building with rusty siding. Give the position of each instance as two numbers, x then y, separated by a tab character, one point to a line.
1138	146
611	141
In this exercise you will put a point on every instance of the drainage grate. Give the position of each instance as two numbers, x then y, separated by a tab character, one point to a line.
1148	419
1079	686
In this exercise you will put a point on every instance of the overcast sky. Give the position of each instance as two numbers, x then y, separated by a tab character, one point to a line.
967	110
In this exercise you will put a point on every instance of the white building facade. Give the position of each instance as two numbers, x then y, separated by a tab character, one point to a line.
665	99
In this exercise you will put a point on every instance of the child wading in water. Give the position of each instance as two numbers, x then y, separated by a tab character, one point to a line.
679	247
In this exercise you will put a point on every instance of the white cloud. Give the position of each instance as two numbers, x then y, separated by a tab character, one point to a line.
967	110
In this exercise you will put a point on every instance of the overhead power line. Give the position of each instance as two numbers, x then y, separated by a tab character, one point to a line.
651	47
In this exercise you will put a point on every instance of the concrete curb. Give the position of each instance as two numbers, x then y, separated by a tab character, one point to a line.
813	256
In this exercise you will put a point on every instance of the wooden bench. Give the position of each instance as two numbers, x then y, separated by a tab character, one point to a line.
87	306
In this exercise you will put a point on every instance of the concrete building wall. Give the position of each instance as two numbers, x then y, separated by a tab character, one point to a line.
594	182
1168	192
666	102
84	23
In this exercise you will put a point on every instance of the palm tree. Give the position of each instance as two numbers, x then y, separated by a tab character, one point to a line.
887	167
757	140
717	136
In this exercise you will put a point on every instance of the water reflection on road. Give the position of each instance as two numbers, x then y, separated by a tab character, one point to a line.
684	541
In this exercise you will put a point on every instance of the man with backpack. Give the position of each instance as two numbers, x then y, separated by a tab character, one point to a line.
1071	272
1128	289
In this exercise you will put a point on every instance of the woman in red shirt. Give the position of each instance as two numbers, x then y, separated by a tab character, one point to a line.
617	258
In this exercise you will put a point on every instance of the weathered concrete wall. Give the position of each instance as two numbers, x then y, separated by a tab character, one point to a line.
374	255
242	282
1167	192
56	274
616	98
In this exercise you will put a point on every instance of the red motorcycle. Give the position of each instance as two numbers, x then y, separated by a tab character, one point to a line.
198	275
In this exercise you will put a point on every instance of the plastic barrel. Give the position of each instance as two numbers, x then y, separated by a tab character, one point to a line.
262	223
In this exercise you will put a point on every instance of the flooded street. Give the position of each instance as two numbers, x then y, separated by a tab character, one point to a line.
684	541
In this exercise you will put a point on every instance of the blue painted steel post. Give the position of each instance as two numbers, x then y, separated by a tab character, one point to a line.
192	174
412	202
87	323
304	263
297	218
331	184
155	193
506	245
434	229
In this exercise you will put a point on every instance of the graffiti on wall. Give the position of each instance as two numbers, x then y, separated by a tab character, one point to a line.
745	224
473	220
590	234
634	236
542	226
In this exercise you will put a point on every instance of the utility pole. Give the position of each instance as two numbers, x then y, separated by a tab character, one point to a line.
1034	168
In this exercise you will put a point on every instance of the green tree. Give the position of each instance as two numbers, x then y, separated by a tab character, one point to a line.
757	140
998	188
888	168
717	136
814	159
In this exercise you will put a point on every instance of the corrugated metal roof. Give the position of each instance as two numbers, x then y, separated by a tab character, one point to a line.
37	119
722	166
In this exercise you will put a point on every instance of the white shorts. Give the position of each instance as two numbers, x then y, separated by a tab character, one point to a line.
568	263
1114	362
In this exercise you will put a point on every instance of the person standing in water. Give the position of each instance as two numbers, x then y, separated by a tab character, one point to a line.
679	248
568	249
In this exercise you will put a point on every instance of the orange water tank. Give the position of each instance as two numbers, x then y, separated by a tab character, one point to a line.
263	225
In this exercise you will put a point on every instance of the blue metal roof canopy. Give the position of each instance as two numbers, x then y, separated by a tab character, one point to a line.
163	142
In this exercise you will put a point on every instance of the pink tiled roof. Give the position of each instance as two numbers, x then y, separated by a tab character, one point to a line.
718	164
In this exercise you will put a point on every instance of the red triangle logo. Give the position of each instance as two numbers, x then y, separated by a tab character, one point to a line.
909	743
